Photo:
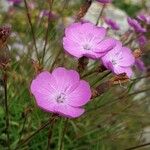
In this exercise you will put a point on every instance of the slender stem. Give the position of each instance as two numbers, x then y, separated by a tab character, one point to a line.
32	29
139	146
101	78
52	122
21	133
62	135
47	30
132	39
33	134
6	108
56	58
100	14
119	98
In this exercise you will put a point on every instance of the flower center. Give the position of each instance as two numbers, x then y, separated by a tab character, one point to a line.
86	47
114	62
60	98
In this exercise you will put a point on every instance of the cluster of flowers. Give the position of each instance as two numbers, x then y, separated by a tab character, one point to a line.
88	40
140	25
62	92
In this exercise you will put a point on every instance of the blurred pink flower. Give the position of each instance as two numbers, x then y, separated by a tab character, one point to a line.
15	1
46	13
142	40
145	18
104	1
119	60
61	92
86	39
136	25
140	65
112	24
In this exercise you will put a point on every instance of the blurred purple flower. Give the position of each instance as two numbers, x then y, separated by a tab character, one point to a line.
46	13
86	39
142	40
32	5
119	60
61	92
104	1
144	18
140	65
112	24
136	25
15	1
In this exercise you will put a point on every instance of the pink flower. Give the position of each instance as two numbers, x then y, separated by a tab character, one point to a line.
86	39
104	1
140	65
15	1
136	25
47	13
144	18
142	40
61	92
119	60
112	24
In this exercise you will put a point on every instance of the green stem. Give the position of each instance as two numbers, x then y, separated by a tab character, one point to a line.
62	132
52	122
6	108
33	134
21	133
138	147
100	14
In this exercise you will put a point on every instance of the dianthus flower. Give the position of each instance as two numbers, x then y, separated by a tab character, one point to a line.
140	65
144	18
15	1
61	92
142	40
119	60
47	13
86	39
104	1
112	24
136	25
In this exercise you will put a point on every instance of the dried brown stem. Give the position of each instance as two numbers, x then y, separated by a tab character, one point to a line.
32	29
47	30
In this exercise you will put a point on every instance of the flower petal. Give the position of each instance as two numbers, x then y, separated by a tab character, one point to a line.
45	102
127	58
105	45
43	83
80	96
119	70
66	79
72	47
68	111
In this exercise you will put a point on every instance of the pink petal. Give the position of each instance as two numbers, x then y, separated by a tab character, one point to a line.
119	70
43	83
111	54
105	45
45	102
92	32
80	96
72	47
68	111
66	80
128	58
42	87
